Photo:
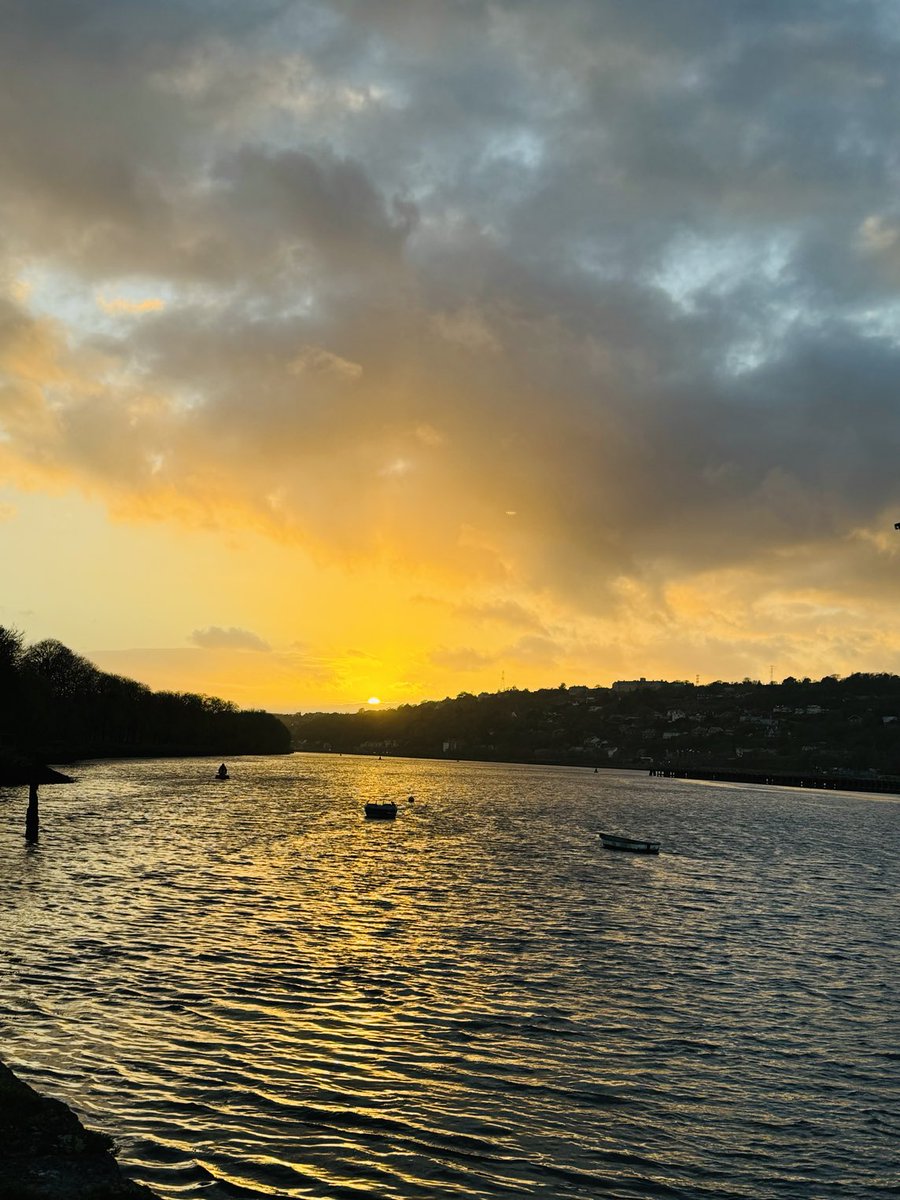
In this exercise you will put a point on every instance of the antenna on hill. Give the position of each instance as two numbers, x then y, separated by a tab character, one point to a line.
502	681
771	674
697	680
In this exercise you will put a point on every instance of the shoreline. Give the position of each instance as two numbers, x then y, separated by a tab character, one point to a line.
46	1153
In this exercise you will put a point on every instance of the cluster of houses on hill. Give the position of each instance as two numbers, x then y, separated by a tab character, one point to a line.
847	724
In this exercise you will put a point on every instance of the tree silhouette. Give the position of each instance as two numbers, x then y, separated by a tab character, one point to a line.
57	706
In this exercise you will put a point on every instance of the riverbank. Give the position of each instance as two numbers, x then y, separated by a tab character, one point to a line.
47	1154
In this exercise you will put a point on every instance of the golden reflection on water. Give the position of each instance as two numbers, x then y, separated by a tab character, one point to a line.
256	986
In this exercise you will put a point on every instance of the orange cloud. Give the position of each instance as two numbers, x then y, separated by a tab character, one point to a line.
125	306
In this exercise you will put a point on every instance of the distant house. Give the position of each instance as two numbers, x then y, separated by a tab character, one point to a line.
636	685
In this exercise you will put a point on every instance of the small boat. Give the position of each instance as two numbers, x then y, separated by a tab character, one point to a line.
612	841
222	772
384	810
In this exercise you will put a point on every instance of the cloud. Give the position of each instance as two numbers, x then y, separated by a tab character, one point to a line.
461	659
526	652
532	650
215	638
123	305
624	271
503	612
315	359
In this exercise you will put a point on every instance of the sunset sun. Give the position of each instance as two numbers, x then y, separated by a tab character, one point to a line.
373	700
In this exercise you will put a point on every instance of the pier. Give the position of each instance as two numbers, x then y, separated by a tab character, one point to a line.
831	783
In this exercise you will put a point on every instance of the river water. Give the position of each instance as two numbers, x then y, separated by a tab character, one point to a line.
259	993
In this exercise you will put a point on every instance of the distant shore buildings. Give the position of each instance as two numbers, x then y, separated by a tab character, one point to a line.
637	685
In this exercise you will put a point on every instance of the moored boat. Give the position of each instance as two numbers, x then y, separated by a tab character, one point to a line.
614	841
384	810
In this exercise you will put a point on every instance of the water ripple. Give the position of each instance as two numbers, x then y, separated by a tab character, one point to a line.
261	994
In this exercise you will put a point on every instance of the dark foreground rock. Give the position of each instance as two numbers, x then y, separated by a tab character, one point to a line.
47	1154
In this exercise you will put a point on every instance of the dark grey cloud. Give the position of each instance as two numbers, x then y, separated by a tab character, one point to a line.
216	638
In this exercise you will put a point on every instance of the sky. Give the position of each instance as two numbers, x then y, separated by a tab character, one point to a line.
401	348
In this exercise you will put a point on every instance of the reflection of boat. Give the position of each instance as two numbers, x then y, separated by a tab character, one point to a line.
384	810
612	841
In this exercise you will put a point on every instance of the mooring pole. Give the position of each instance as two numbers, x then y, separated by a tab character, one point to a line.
32	821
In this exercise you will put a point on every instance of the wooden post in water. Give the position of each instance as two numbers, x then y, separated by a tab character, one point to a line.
32	821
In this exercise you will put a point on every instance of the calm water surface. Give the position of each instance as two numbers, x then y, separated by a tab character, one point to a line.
258	993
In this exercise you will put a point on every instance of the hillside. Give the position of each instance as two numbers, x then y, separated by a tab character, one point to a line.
849	726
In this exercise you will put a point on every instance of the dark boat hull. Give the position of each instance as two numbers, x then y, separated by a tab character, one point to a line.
612	841
381	812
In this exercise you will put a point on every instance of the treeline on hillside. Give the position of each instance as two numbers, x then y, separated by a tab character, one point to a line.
55	706
849	725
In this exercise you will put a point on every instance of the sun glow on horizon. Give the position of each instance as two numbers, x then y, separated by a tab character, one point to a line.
373	700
